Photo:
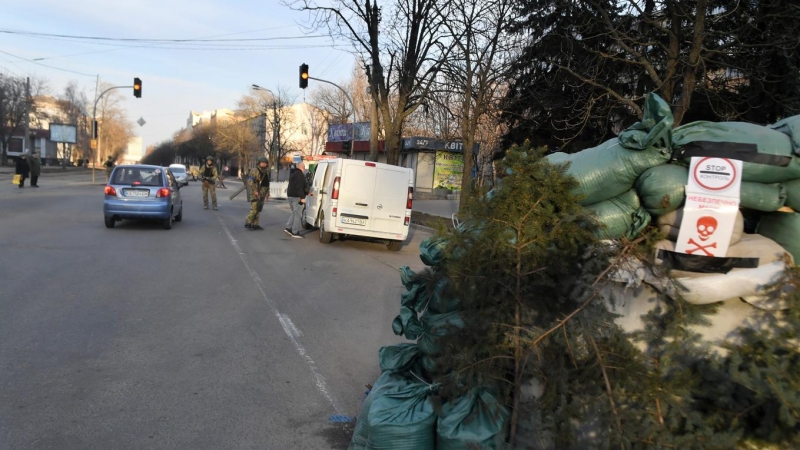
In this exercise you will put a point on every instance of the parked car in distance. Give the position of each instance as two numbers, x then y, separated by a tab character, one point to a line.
179	170
137	191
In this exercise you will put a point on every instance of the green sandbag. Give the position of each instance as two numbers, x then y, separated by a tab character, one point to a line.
440	301
407	324
431	250
362	429
783	228
792	194
790	126
476	420
435	327
762	197
768	141
407	277
398	358
403	419
620	217
608	170
662	189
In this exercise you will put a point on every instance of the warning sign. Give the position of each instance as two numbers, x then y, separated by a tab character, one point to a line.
718	176
712	203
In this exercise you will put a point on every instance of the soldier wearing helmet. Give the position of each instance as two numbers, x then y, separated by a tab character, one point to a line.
208	173
258	180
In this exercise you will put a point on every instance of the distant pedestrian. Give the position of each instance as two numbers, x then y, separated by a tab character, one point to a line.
208	174
296	193
109	164
258	180
36	169
22	169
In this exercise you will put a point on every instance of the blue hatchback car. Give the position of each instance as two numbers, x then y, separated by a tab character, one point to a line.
142	192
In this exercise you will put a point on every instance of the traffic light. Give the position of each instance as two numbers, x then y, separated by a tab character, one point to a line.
137	88
303	76
347	145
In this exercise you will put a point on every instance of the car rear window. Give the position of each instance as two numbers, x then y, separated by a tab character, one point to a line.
177	170
137	176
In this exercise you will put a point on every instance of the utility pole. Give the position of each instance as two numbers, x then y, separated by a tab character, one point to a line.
27	138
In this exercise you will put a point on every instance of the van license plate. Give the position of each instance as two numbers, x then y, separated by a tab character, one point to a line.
354	221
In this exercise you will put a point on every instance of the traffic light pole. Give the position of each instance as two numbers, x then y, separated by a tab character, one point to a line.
353	105
95	126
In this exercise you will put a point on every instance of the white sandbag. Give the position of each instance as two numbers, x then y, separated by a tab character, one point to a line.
670	225
736	283
632	304
749	246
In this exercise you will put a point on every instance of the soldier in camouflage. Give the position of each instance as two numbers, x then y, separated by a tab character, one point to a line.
208	173
258	180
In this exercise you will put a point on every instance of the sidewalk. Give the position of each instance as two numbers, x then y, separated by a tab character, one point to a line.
441	208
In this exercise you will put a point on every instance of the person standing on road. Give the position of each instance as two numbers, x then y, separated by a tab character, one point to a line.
109	166
208	173
258	180
22	169
296	193
36	169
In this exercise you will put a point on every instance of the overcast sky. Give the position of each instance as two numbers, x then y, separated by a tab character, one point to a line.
176	79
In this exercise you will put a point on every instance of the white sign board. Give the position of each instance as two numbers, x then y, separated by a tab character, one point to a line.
63	133
712	203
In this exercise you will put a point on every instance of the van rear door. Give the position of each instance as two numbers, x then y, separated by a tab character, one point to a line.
356	194
317	191
391	195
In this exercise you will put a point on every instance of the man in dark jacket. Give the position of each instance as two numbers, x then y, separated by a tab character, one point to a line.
22	169
36	169
296	193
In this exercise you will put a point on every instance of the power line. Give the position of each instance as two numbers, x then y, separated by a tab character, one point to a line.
45	65
100	38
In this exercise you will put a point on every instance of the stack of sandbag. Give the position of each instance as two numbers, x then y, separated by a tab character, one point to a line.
606	173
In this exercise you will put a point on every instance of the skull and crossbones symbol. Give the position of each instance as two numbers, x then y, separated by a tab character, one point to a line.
706	226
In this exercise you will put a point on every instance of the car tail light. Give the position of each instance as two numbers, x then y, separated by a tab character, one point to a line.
370	164
335	194
410	197
406	222
111	191
163	192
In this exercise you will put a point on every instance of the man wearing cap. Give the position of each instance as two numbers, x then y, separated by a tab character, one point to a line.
258	180
208	173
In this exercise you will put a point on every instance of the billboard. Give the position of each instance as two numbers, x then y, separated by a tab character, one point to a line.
63	133
447	170
344	132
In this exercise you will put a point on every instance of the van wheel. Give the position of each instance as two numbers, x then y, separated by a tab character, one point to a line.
394	246
109	222
324	236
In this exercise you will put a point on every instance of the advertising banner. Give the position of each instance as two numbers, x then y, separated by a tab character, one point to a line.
447	170
340	133
712	203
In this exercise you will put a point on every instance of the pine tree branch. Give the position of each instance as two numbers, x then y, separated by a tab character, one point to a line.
609	390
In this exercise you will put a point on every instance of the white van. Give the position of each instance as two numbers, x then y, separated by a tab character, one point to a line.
352	198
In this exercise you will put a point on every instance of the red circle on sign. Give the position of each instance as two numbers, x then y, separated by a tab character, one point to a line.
711	188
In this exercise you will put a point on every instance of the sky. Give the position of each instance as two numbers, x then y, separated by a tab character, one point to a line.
176	77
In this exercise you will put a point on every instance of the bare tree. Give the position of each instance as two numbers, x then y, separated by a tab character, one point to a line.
279	122
317	134
402	49
16	106
477	68
73	103
114	129
238	137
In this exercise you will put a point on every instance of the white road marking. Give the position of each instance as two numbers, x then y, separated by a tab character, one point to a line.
288	327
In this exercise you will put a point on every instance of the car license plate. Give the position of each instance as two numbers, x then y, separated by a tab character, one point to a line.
354	221
136	193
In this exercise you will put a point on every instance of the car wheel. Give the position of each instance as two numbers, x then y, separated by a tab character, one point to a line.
394	246
168	222
324	236
109	222
179	217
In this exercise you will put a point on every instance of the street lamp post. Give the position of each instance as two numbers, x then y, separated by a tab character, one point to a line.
352	105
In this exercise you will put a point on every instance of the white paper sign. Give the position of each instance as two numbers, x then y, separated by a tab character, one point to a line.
712	203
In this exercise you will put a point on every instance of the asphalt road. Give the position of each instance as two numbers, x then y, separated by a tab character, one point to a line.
206	336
